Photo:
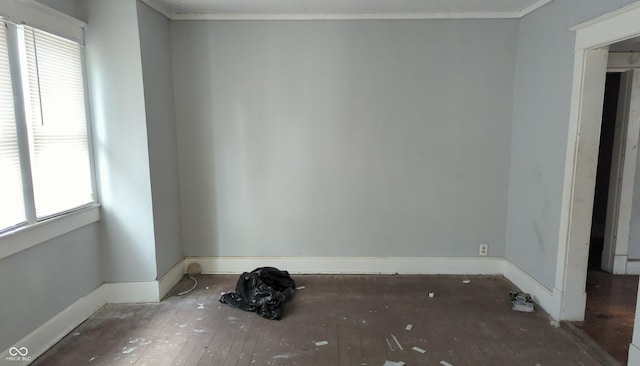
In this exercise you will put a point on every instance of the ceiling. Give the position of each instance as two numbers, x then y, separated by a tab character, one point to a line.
344	9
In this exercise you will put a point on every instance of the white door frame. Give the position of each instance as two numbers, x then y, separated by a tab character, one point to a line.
590	66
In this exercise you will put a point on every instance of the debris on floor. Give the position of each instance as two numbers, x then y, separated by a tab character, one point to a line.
432	294
263	290
445	363
408	327
192	269
390	346
321	343
418	349
393	363
521	301
466	281
398	343
195	284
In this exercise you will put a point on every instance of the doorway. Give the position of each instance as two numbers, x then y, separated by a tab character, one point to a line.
590	65
611	298
603	173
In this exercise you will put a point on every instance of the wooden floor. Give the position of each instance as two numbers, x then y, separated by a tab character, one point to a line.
610	313
359	316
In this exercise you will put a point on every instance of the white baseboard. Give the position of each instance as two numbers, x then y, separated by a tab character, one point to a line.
620	264
633	267
171	278
45	336
549	300
49	333
351	265
151	291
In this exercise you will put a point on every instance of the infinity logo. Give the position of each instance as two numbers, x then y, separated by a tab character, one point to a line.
22	351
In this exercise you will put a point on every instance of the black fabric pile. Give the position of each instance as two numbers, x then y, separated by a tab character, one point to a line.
263	290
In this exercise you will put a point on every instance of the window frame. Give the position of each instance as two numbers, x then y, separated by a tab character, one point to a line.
36	231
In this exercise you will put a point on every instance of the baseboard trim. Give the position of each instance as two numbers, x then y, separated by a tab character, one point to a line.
45	336
150	291
351	265
132	292
49	333
549	300
633	267
52	331
171	278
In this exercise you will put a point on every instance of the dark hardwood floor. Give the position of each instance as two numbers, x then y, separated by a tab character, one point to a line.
358	317
610	312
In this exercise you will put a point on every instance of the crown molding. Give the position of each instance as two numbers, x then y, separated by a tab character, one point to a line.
346	16
533	7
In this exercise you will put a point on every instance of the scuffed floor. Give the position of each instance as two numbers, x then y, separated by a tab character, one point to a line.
333	320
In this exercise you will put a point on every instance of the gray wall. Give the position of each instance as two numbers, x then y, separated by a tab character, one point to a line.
40	282
75	8
161	134
343	138
116	92
539	133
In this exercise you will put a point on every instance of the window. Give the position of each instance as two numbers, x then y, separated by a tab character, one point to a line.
44	150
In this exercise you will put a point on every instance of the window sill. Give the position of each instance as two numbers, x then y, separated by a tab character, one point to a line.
32	235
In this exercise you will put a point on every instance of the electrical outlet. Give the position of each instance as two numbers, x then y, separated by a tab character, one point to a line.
484	250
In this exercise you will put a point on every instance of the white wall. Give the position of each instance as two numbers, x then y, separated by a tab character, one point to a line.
161	134
116	92
343	138
539	132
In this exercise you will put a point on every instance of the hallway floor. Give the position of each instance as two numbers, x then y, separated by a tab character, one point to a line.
357	320
609	318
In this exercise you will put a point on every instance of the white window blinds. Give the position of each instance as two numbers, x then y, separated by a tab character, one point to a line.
12	210
55	103
45	162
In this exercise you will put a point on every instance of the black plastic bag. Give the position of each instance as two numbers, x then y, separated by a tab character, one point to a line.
263	290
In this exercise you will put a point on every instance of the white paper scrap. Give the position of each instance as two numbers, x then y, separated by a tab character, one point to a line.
408	327
418	349
321	343
445	363
389	343
466	281
398	343
300	287
394	363
432	294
